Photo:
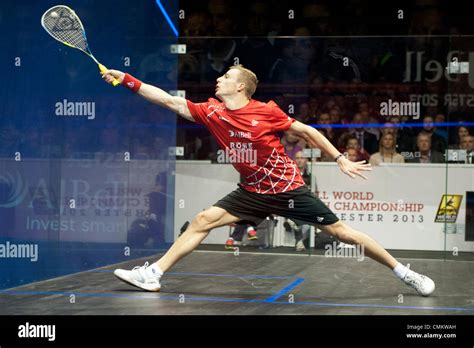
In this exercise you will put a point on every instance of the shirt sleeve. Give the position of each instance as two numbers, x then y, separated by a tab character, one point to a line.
280	120
198	111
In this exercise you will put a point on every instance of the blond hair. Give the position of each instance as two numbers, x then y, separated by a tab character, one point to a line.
393	150
248	77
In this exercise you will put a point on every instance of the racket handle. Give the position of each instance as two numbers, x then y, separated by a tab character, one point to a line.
103	69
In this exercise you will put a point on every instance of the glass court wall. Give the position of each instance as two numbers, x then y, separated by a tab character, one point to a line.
86	175
404	104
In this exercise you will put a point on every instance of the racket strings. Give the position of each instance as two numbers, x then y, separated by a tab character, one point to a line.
65	26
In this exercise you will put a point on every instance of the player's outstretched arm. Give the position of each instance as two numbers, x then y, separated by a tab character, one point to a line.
153	94
316	139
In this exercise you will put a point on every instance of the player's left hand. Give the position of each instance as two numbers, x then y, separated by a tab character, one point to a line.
353	169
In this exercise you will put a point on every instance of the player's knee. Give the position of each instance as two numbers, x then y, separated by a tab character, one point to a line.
346	234
202	220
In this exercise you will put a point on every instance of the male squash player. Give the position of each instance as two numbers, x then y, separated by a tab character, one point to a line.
247	130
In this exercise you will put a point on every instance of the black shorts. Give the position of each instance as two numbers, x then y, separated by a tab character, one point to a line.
300	206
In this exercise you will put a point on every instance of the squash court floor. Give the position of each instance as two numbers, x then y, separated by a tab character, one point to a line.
210	282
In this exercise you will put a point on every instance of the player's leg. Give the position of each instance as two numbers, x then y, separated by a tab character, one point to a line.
421	283
307	208
148	277
199	228
371	248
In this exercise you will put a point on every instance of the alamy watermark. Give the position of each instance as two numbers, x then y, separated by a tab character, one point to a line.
26	251
238	152
394	108
37	331
68	108
356	251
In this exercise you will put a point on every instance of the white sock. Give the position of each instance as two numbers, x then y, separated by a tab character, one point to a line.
154	270
400	270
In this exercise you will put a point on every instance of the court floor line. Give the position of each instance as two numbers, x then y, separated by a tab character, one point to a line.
283	291
238	300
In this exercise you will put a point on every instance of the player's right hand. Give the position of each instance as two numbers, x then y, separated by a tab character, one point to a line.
353	168
111	75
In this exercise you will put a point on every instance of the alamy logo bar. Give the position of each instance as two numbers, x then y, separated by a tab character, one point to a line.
37	331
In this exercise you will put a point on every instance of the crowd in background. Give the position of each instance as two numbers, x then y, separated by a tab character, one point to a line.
325	72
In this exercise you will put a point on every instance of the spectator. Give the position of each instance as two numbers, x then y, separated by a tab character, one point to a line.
367	141
387	151
353	143
368	119
292	144
352	155
257	43
301	232
335	115
442	132
313	103
332	134
238	234
221	51
462	131
426	154
388	128
467	143
304	114
302	164
296	62
195	26
404	136
437	142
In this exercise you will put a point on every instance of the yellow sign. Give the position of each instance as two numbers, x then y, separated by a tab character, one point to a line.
448	208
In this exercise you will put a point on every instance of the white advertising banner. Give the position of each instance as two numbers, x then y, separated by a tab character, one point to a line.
397	205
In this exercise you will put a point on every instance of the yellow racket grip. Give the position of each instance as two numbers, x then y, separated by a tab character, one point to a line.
103	69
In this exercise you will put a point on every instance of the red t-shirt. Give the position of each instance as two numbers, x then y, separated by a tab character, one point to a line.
247	137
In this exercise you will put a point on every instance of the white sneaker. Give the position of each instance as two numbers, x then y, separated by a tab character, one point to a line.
300	246
138	277
421	283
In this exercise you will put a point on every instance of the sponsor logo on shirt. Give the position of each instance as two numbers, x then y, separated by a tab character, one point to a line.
238	145
239	134
254	123
216	108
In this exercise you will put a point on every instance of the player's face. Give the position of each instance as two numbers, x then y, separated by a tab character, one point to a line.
228	84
